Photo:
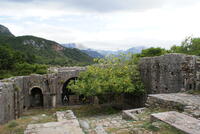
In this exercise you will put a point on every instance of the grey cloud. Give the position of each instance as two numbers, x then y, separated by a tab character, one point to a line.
118	5
113	5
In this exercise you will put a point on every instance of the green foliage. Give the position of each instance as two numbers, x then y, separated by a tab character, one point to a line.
189	46
12	63
12	124
110	75
196	92
42	51
150	52
27	54
8	57
26	69
150	126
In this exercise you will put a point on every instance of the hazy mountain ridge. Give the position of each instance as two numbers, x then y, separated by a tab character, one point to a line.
90	52
93	53
132	50
102	53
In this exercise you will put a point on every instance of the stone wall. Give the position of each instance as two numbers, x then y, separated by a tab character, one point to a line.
15	93
170	73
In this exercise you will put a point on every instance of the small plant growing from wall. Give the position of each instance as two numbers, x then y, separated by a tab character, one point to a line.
16	88
62	81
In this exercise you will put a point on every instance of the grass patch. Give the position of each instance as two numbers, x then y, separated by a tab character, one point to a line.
12	124
150	126
35	116
157	127
166	129
195	92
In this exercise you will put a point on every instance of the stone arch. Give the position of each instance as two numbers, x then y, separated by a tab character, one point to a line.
36	97
35	87
66	92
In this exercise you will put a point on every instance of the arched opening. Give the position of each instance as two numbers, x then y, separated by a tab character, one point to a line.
36	97
66	92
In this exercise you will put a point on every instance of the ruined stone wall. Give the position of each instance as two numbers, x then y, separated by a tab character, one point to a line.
170	73
15	92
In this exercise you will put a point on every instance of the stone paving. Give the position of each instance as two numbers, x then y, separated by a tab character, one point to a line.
112	124
67	124
188	103
186	124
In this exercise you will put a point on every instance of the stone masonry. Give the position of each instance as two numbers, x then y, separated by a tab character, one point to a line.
15	93
170	73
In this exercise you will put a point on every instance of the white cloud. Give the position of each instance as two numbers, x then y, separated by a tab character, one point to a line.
151	24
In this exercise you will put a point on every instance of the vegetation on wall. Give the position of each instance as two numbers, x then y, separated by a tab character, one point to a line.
110	75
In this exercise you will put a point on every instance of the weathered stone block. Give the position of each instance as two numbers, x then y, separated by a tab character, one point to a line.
182	122
132	114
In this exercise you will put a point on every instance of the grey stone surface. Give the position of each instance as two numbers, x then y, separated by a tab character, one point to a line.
185	123
178	101
65	115
170	73
84	124
100	130
132	114
15	92
67	124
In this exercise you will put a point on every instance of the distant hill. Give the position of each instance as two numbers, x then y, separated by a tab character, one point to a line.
90	52
132	50
93	53
135	50
4	31
43	51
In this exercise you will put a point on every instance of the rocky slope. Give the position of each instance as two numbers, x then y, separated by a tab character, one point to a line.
4	31
43	51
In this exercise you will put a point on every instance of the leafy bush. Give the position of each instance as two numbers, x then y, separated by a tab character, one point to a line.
26	69
110	75
150	52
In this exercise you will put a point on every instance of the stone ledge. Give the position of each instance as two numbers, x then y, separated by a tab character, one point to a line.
182	122
176	101
132	114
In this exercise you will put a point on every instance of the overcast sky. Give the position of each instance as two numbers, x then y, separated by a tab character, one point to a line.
104	24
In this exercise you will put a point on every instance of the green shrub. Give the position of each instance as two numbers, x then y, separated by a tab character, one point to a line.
111	75
12	124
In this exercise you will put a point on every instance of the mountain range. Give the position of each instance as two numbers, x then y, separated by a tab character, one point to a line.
43	51
95	53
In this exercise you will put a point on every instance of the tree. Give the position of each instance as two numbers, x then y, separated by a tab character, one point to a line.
110	75
6	58
150	52
188	46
